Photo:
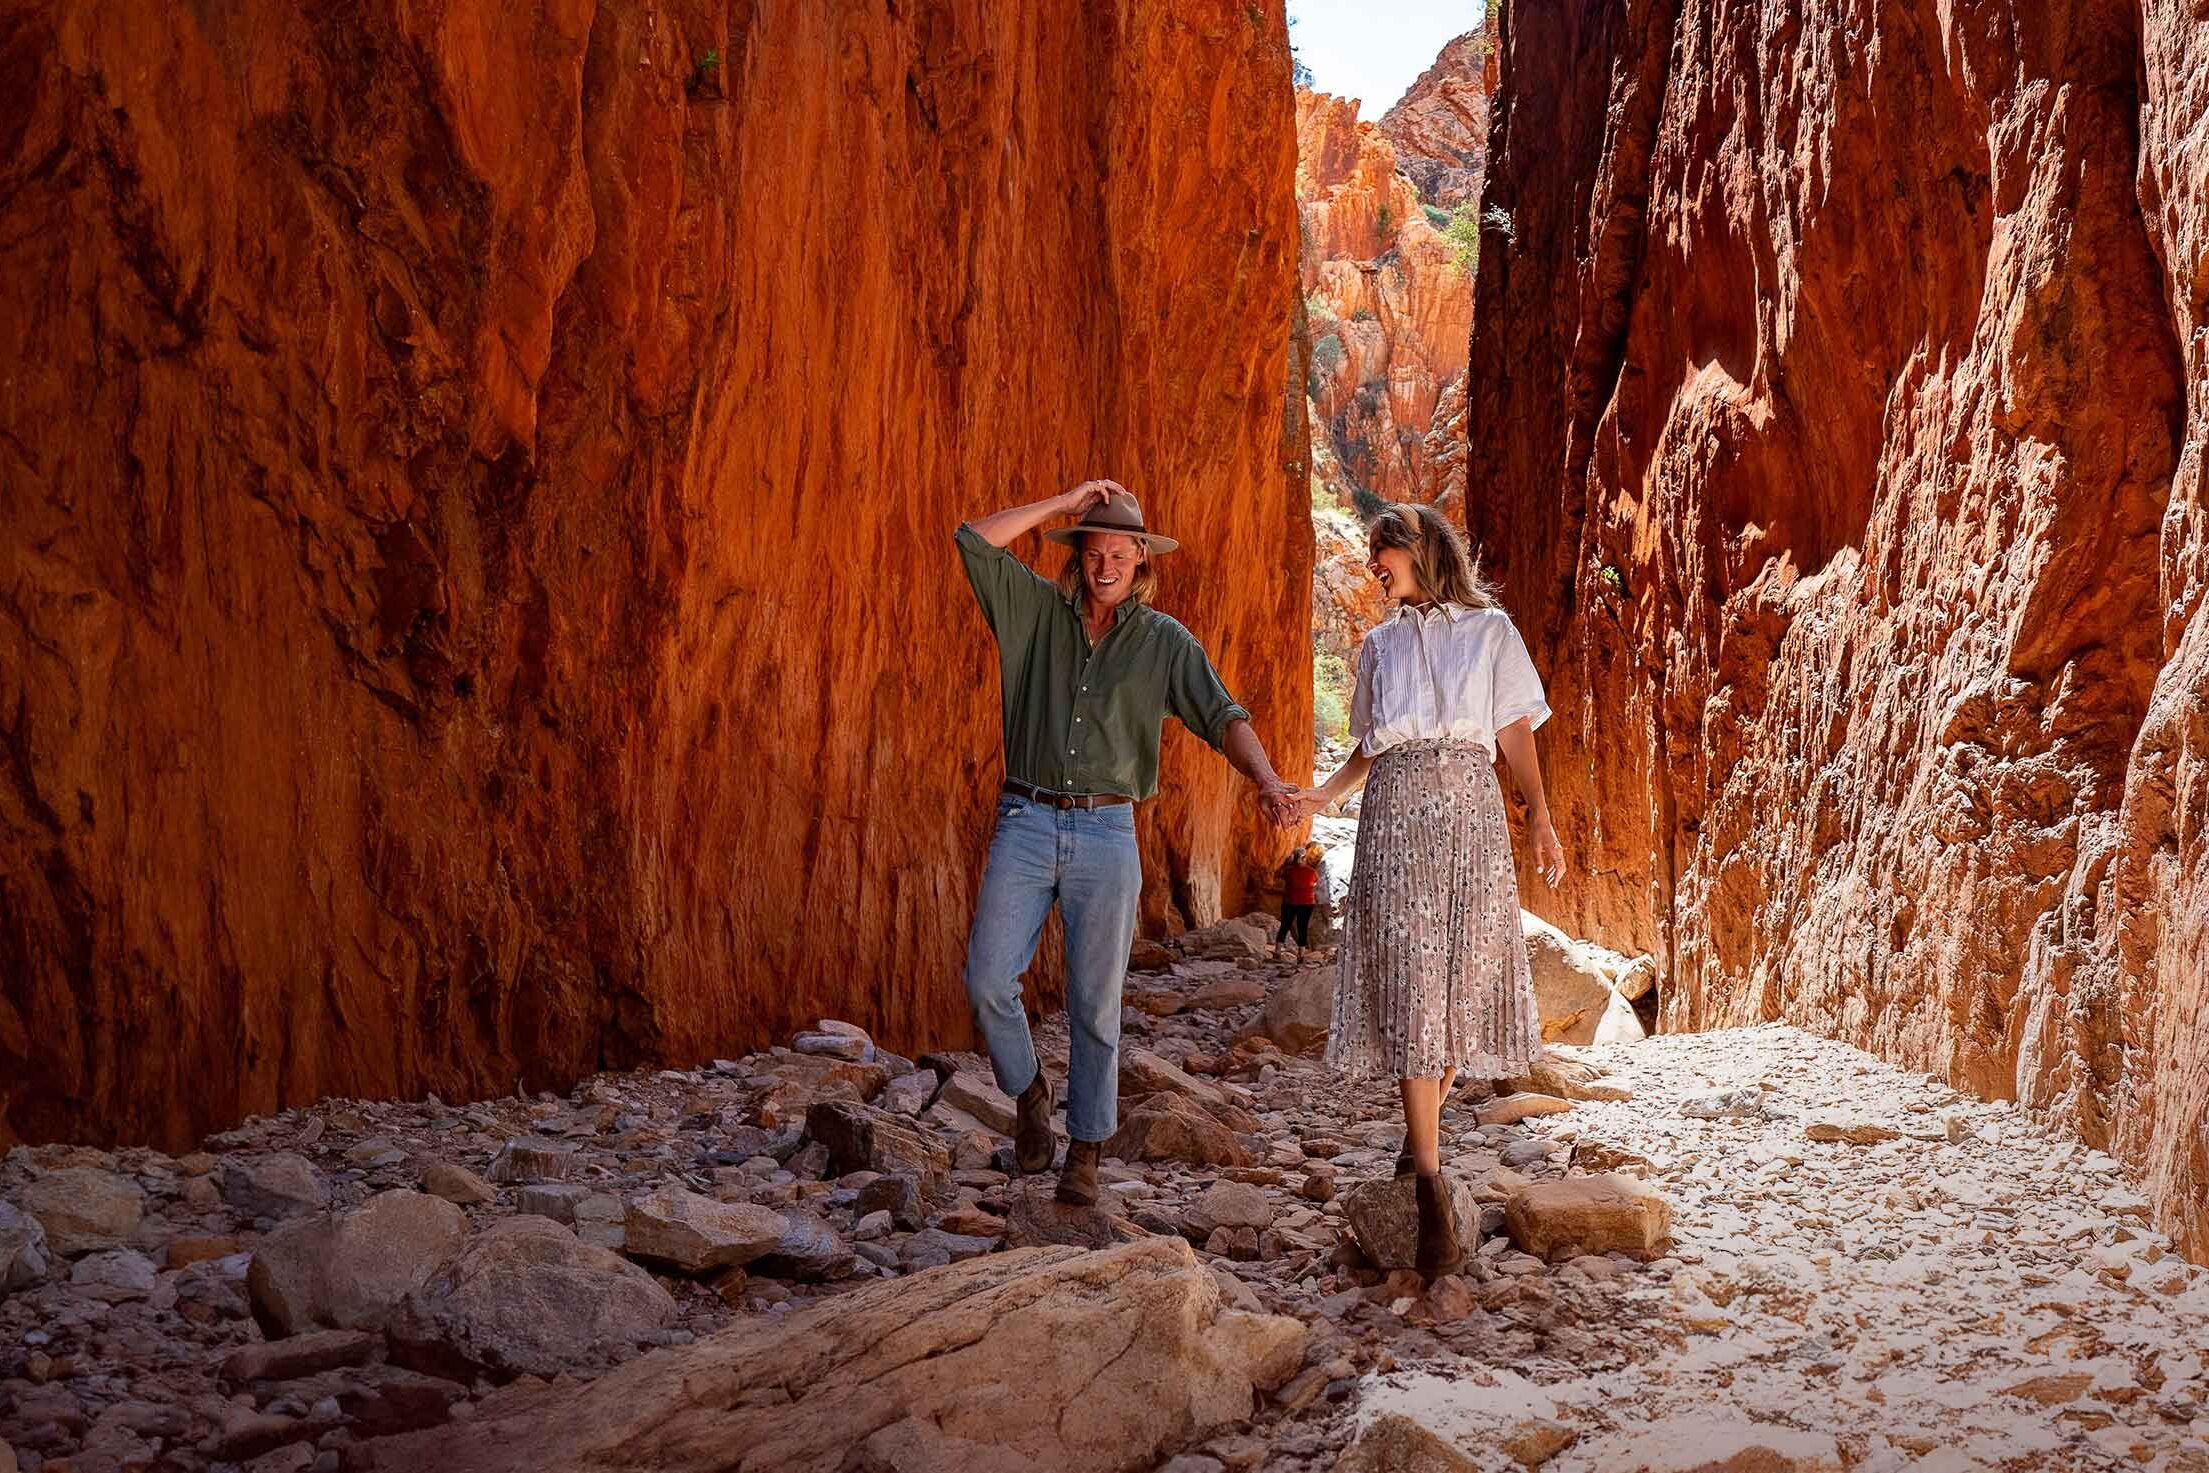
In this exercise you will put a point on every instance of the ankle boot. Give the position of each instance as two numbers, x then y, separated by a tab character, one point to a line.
1439	1253
1077	1180
1406	1163
1032	1142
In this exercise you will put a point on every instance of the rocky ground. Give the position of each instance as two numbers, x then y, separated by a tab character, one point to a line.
1754	1245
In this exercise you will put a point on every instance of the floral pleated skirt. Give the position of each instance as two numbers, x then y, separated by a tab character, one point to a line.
1434	972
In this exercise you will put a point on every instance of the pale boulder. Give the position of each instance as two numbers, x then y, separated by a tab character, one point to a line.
983	1365
1572	1215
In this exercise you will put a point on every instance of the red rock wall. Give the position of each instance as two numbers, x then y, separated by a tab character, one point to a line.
1838	410
479	594
1440	126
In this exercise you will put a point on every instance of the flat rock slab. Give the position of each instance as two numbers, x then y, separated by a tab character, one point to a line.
1588	1214
1036	1358
1849	1131
1512	1108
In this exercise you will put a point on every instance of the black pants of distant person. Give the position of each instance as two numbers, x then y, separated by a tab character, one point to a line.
1300	917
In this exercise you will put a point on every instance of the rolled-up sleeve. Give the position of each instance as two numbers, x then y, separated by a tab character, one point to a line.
1197	696
1010	592
1361	698
1517	689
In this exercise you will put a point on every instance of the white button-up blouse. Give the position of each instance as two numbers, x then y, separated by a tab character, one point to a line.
1447	671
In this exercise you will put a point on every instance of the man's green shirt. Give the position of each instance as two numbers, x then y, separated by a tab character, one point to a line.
1083	720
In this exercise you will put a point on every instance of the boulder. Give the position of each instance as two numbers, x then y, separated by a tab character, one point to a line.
83	1209
1301	1010
1571	992
1394	1443
1384	1215
528	1159
457	1184
115	1276
1636	978
809	1250
1572	1215
898	1195
279	1186
1245	940
347	1271
1227	1204
1145	1073
1170	1128
786	1085
983	1366
24	1251
553	1199
1148	956
1038	1219
695	1234
934	1247
527	1296
1228	992
863	1138
909	1094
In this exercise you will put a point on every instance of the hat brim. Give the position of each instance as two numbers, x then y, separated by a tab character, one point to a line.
1071	537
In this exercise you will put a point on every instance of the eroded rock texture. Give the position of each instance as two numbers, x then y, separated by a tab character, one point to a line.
1440	127
1840	395
479	599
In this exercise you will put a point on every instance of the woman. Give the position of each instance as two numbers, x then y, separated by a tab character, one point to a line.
1299	894
1434	972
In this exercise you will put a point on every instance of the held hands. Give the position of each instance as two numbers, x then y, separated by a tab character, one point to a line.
1288	805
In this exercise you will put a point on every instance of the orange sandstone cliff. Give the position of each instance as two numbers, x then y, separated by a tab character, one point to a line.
1844	389
479	599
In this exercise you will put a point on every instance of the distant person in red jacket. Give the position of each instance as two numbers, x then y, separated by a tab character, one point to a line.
1299	893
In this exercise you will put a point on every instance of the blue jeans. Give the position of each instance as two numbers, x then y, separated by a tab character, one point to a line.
1086	860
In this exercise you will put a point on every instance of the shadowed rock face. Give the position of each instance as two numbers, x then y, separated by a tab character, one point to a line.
1838	396
479	593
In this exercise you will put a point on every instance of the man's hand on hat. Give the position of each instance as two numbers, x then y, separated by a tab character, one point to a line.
1090	494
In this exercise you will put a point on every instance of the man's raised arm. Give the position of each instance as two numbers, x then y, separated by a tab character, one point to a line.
1003	528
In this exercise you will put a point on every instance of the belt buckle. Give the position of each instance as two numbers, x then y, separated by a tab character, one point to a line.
1065	801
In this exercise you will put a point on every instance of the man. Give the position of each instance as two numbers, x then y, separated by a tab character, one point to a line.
1089	671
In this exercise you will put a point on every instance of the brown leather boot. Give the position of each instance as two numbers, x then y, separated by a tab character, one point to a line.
1406	1163
1032	1143
1439	1253
1077	1180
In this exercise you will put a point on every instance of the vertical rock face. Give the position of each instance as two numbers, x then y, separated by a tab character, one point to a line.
1841	391
1440	127
1391	306
480	600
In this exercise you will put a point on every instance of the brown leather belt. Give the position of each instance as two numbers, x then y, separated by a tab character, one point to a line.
1064	800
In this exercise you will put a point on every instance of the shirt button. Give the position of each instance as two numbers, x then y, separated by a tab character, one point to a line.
1077	721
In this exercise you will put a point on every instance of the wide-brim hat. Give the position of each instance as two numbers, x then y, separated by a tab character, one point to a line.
1118	513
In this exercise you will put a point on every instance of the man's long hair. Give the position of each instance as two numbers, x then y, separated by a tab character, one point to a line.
1440	560
1140	587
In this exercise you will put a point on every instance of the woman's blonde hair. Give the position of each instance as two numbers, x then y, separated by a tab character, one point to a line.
1440	560
1140	587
